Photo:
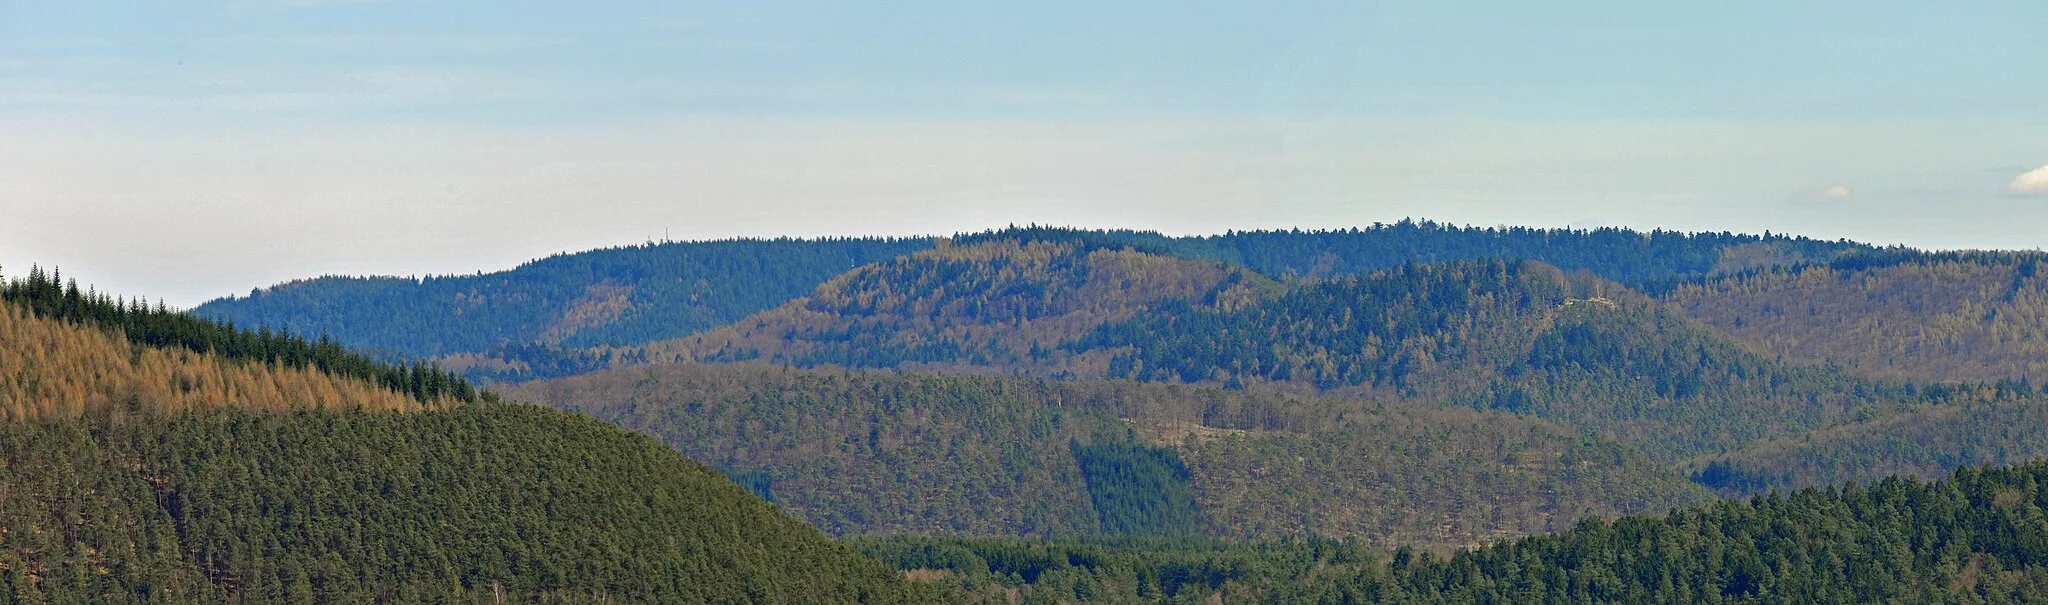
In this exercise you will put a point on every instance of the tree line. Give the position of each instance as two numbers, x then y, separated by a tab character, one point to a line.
1976	537
49	295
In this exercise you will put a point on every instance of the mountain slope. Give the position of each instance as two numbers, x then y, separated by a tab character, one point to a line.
1515	336
880	453
131	474
548	311
1953	428
1977	317
612	296
1621	255
1520	337
1977	537
56	369
997	304
472	503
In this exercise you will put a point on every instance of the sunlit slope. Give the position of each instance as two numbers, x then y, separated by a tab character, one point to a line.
1000	304
1621	255
1517	337
1976	317
1520	337
56	369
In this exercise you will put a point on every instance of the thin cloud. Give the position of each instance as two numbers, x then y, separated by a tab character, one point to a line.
2031	183
1824	194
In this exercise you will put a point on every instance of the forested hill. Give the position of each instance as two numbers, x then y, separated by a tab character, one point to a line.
477	503
1905	316
612	296
66	346
1513	336
1001	303
1520	337
1622	255
148	457
882	452
548	310
1979	537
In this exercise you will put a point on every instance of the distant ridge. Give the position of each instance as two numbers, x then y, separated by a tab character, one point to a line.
631	295
610	296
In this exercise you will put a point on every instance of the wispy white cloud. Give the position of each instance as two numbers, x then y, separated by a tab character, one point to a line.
1825	194
2031	183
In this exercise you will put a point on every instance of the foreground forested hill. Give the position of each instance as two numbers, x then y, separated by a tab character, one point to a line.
475	503
880	453
1978	537
216	469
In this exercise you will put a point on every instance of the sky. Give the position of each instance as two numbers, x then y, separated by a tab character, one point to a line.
198	148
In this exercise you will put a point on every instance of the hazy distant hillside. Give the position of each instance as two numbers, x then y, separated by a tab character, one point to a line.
612	296
549	311
1942	317
878	453
148	457
1621	255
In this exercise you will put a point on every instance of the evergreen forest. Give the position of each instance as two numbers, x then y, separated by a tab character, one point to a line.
152	457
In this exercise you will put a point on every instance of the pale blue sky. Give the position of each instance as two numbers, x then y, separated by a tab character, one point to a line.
201	147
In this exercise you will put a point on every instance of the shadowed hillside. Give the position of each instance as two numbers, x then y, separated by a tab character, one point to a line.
880	453
1976	537
1948	428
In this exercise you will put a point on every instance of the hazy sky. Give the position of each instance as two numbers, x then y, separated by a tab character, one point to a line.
195	148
